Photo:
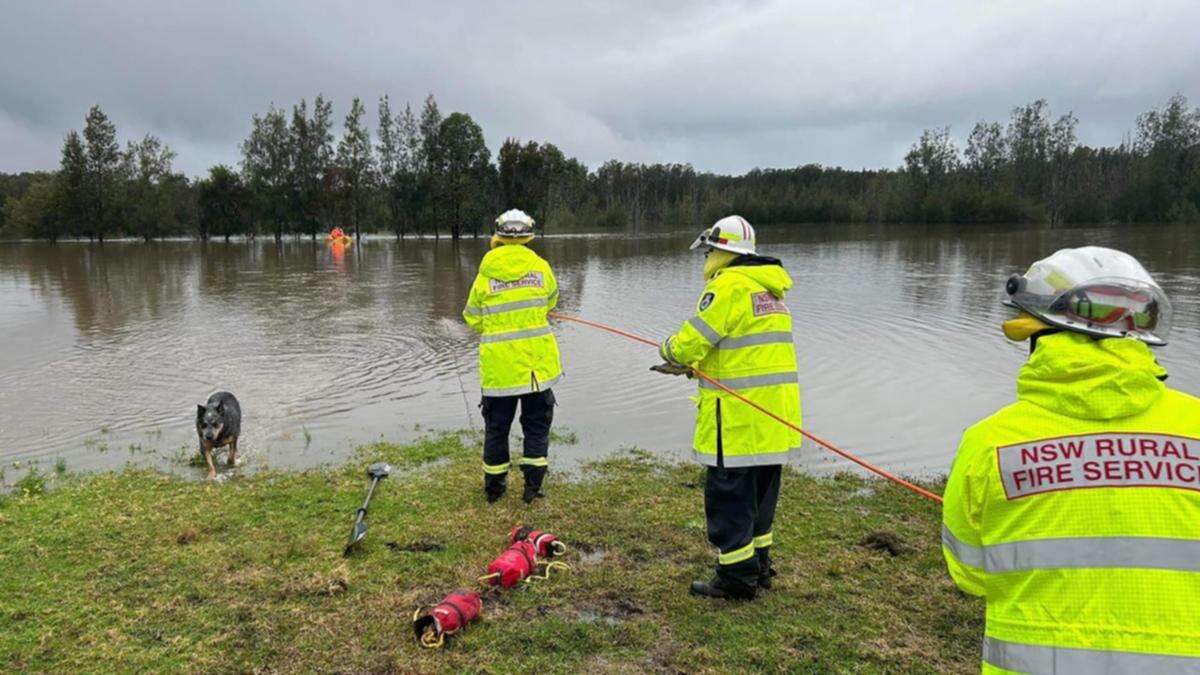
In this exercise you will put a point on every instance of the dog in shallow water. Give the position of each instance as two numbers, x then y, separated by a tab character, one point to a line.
218	423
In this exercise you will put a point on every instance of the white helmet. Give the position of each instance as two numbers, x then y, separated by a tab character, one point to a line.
1096	291
514	223
731	233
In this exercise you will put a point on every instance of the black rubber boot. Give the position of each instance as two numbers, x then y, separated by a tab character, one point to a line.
719	588
531	493
494	487
765	570
534	475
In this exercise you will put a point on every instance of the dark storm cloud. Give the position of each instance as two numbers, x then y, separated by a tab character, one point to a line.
726	86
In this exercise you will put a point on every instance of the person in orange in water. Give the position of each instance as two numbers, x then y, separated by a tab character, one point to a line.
337	233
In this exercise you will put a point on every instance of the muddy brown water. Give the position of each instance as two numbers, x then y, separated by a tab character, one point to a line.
108	349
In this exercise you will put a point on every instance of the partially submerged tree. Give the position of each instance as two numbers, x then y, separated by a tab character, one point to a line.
465	172
266	166
356	166
102	175
223	204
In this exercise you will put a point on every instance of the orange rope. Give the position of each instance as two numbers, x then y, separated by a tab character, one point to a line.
816	439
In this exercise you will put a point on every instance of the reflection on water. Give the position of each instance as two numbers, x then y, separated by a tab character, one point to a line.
108	349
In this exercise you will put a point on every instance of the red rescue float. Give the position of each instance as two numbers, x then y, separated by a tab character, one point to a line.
545	544
513	566
447	617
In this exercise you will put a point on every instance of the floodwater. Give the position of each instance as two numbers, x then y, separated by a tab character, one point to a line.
108	349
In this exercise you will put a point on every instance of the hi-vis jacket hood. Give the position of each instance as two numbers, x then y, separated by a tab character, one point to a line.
1086	378
509	262
767	272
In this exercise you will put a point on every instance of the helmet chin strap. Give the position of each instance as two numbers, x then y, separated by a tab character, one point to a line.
715	260
1023	327
497	240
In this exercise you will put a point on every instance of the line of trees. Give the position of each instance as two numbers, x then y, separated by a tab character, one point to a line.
101	190
429	174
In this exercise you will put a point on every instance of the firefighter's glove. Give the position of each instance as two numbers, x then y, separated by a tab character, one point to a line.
672	369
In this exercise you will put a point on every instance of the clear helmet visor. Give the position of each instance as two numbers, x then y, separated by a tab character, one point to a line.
702	240
1105	307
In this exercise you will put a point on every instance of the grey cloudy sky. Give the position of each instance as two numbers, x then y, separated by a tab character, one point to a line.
726	86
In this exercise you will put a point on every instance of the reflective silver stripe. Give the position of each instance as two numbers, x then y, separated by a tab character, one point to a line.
1025	658
1094	552
738	461
509	306
516	335
476	311
752	381
964	552
773	337
704	329
524	389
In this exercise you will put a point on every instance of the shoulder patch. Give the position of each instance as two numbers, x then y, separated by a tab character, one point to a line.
531	280
705	301
765	303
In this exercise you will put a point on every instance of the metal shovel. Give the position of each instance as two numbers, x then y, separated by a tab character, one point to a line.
377	472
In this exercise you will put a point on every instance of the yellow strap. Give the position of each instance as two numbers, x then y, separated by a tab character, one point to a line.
430	639
764	540
533	461
556	565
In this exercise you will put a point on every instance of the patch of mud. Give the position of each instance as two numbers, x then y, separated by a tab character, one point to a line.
188	536
417	546
318	585
590	554
611	612
593	557
887	542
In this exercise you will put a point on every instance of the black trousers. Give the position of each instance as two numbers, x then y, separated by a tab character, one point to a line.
537	413
739	505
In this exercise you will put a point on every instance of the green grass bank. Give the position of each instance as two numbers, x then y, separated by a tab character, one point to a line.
139	571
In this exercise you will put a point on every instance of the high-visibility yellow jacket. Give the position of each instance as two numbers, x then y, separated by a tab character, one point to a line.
741	335
509	299
1076	513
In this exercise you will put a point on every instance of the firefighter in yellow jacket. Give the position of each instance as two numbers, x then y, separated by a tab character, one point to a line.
741	335
1076	510
518	355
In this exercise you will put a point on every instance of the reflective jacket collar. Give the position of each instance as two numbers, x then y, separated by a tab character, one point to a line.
508	263
1086	378
767	272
